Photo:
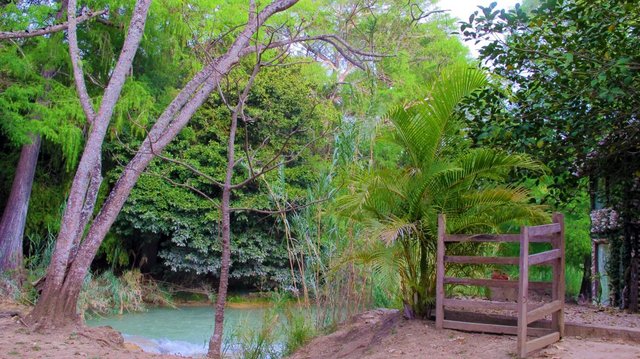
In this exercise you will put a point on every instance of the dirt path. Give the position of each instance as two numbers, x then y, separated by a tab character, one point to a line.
382	334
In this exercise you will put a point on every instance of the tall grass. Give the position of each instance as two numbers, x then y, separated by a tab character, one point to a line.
285	327
109	294
35	267
257	342
325	290
300	329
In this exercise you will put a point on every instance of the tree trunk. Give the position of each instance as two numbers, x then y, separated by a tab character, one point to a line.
585	286
215	343
61	284
65	275
424	308
15	212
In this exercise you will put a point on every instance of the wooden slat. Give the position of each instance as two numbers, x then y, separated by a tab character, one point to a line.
490	328
523	292
479	327
540	239
480	304
492	238
544	230
494	283
481	260
558	291
542	342
442	225
481	282
544	257
482	237
543	311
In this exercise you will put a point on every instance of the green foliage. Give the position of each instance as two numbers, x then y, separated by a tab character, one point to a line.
568	71
283	100
576	211
567	80
260	342
37	95
34	100
299	329
437	172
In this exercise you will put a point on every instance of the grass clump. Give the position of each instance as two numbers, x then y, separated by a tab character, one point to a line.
109	294
260	342
300	329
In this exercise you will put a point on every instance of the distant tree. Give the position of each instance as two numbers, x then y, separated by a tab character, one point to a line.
569	75
35	101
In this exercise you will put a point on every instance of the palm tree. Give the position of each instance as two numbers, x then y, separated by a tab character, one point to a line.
438	173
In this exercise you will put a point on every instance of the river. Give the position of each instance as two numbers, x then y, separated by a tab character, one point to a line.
183	331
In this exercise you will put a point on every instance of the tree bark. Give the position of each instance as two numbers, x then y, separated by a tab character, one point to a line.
215	343
49	312
57	304
14	216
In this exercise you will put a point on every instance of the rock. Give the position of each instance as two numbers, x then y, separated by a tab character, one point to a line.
132	347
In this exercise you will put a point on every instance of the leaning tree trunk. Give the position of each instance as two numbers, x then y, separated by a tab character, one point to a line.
15	212
14	217
70	264
57	305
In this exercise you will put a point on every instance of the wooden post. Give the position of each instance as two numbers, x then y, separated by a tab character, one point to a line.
557	318
442	223
633	284
523	291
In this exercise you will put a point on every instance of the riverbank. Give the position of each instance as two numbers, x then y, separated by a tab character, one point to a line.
19	341
180	329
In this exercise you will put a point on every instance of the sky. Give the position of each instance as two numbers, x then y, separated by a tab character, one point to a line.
463	8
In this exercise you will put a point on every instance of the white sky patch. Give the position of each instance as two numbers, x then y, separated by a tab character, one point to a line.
462	9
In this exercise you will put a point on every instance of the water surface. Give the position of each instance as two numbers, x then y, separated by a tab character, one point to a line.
183	331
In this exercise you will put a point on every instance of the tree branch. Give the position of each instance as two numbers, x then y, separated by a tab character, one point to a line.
4	35
347	51
190	168
270	166
184	185
78	74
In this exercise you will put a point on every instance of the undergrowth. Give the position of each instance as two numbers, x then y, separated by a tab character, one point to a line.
109	294
285	328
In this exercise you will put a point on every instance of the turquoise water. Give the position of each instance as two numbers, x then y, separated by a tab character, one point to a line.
183	331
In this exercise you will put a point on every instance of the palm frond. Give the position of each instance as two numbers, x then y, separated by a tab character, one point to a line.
421	128
479	164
